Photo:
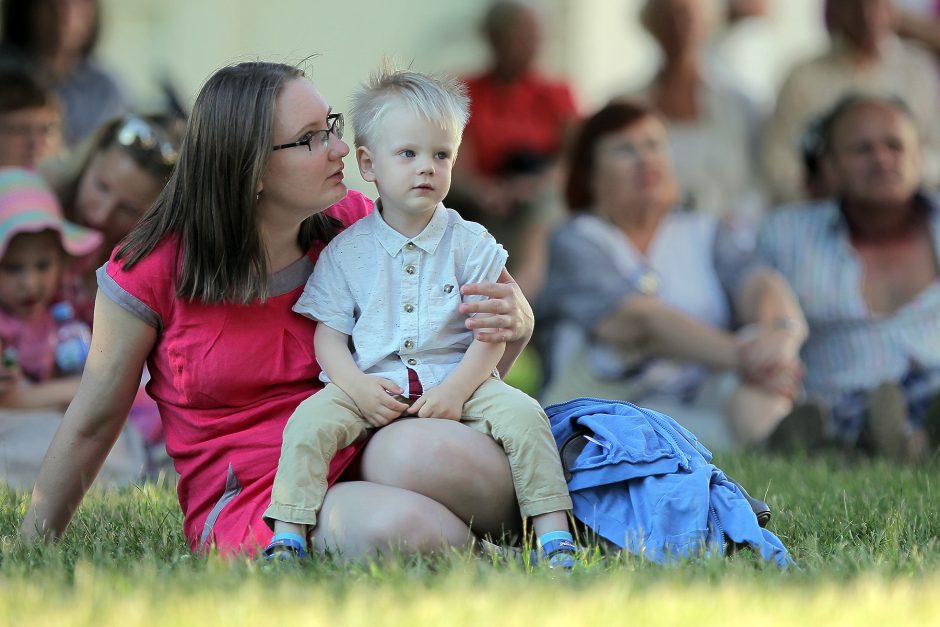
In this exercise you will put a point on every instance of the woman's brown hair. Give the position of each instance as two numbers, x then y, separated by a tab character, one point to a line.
210	201
616	116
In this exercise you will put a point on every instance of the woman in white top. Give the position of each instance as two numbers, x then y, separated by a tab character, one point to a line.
641	297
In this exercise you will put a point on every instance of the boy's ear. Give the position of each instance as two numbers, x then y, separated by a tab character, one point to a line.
366	167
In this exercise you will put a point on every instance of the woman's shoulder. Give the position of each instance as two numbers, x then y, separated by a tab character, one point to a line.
162	260
151	279
352	208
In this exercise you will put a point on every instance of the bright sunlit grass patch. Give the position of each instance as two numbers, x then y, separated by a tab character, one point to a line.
866	537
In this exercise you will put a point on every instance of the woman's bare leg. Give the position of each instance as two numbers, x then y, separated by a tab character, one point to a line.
361	520
464	470
754	413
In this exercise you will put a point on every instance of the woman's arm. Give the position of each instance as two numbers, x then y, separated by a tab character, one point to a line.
93	421
771	346
647	325
505	316
766	299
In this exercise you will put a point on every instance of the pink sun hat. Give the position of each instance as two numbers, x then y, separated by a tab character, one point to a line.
27	205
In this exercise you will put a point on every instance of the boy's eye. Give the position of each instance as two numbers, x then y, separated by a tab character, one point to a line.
407	153
443	155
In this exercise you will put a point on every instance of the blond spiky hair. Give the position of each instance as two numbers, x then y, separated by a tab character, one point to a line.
440	98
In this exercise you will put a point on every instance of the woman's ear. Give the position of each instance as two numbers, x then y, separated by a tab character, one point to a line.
366	166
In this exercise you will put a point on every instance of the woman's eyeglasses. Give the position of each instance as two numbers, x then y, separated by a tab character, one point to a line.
136	133
334	124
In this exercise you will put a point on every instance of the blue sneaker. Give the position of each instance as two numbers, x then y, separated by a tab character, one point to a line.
285	547
559	554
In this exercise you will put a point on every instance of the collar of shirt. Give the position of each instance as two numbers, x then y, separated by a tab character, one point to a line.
393	241
931	203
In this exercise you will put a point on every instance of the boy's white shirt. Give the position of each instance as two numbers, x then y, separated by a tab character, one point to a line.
361	286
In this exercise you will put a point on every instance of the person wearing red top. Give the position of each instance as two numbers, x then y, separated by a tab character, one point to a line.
506	177
201	290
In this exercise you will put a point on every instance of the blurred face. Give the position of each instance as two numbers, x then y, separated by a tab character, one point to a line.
28	136
678	25
410	162
299	180
875	156
864	23
64	25
29	273
114	192
632	170
516	46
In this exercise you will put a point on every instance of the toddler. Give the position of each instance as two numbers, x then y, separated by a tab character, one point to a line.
390	338
35	242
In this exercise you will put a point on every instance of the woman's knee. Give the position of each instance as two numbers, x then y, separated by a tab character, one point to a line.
366	519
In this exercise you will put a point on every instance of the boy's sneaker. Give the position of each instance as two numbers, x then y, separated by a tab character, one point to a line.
559	554
285	547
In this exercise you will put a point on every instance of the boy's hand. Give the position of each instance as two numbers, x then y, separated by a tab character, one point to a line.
439	402
373	396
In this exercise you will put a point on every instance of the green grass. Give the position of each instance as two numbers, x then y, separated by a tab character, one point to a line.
866	537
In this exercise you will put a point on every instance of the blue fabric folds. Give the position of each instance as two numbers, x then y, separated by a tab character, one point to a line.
646	484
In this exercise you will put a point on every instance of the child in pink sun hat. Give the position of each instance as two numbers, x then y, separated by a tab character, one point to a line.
36	245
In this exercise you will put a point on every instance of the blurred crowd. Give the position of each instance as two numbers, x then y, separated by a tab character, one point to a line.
764	267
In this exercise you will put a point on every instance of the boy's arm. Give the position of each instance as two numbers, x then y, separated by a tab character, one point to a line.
447	399
371	394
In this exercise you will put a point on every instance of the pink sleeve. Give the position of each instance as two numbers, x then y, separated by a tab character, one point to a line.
148	289
353	207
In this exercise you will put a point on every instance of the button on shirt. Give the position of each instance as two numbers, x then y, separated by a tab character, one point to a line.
397	297
849	347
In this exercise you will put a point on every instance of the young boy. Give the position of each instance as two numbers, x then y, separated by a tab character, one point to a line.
391	283
29	119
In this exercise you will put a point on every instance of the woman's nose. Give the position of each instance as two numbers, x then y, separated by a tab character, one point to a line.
338	148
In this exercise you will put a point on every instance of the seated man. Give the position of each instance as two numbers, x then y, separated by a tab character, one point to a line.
507	176
865	55
864	268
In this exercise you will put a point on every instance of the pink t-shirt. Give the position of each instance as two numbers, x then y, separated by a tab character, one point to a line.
226	379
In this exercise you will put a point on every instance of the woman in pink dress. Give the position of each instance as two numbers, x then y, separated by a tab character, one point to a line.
201	291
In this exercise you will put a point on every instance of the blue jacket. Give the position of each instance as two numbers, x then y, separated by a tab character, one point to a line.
646	484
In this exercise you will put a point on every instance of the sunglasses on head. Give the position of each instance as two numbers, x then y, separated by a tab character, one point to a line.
138	134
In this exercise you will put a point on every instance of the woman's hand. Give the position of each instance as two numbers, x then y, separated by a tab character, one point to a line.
505	315
770	359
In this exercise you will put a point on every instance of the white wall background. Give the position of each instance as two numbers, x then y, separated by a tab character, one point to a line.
596	43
